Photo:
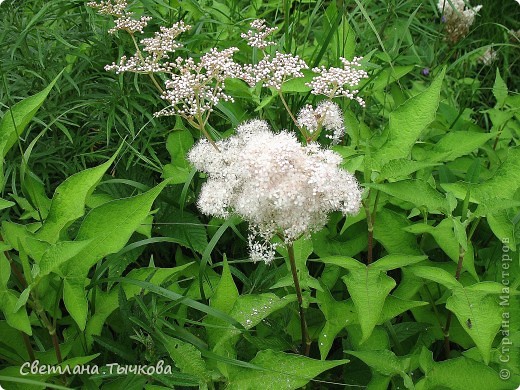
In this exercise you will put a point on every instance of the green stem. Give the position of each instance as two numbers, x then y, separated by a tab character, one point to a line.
446	332
305	332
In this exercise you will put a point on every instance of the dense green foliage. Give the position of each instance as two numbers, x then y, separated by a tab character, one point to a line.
106	258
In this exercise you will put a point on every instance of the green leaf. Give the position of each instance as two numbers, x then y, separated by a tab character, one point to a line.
108	302
402	168
302	250
385	362
68	202
417	192
250	310
187	358
408	121
454	145
389	231
183	227
396	261
337	316
108	228
15	315
15	120
459	374
390	75
504	183
298	84
500	90
226	293
437	275
58	254
479	313
223	299
284	372
444	236
503	225
5	204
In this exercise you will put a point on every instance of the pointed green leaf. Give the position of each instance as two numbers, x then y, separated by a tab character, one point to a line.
503	184
499	90
68	202
417	192
445	237
461	374
284	371
368	288
108	228
480	315
187	358
408	121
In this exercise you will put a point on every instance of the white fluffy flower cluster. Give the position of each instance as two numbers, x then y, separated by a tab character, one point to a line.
335	82
458	18
273	71
279	186
257	36
327	115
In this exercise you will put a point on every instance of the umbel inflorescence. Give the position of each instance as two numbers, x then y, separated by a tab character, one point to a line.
457	17
279	186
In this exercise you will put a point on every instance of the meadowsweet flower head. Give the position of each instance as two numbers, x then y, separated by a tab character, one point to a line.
257	36
488	57
164	40
110	7
326	115
335	82
197	87
457	18
279	186
273	71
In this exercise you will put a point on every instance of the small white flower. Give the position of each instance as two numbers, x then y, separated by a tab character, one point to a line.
273	71
257	36
336	82
327	115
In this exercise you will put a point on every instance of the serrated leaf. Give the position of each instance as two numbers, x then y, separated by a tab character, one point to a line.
187	358
408	121
417	192
59	253
499	90
384	362
456	144
337	316
389	231
285	372
402	168
368	289
437	275
503	184
479	313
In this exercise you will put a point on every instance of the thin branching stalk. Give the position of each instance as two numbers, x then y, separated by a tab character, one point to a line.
306	341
